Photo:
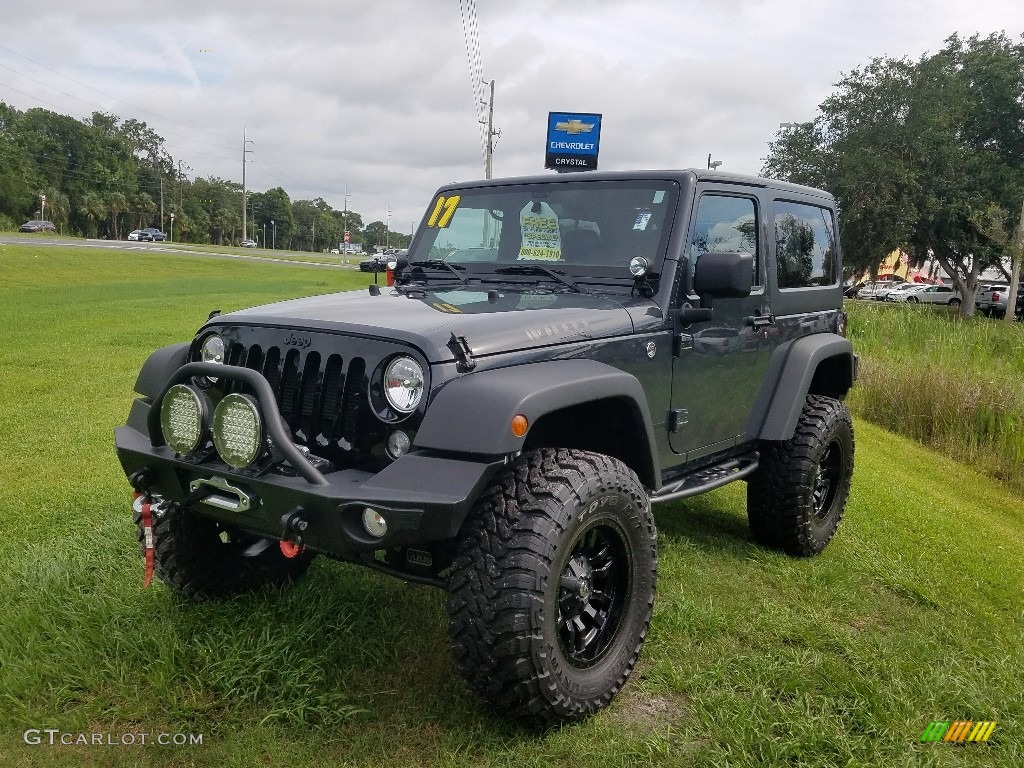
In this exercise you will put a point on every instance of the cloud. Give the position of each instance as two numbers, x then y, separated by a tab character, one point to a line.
376	97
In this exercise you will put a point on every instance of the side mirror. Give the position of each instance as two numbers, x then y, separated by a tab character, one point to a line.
723	275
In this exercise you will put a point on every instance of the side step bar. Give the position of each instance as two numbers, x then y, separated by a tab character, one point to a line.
707	478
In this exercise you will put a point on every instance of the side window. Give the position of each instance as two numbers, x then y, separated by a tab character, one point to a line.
805	245
725	224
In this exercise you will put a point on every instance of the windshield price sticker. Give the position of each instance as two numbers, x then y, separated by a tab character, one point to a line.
541	238
443	211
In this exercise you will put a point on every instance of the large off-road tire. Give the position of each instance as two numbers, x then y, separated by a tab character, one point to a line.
203	559
797	496
552	587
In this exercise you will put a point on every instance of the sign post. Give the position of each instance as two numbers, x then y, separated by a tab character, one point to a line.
573	140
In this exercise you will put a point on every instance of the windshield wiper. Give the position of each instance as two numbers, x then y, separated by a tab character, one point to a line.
441	264
536	269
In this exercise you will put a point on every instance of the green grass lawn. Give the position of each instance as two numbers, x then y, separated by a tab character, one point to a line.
913	614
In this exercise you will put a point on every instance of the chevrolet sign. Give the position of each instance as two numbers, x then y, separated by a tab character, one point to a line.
572	142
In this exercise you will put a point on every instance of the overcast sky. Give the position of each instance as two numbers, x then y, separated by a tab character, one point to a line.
376	96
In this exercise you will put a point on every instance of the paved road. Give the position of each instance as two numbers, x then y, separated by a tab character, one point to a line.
165	247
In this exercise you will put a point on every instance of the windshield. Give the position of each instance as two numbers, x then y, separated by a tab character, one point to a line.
579	227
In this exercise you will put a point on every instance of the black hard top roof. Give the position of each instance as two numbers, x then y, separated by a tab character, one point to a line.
686	175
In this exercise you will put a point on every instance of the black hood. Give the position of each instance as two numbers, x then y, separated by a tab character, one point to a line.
504	322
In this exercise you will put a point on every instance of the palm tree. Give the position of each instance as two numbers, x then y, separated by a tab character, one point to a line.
144	207
94	209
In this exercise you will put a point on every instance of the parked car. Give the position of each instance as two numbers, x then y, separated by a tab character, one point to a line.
247	243
851	288
35	225
501	431
155	234
904	291
881	292
992	299
140	234
936	294
871	290
377	263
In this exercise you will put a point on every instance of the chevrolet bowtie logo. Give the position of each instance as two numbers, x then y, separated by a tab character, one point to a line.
574	127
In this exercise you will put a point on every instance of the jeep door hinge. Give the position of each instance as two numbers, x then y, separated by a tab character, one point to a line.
677	418
681	342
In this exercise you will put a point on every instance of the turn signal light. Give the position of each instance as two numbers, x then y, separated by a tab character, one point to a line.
519	425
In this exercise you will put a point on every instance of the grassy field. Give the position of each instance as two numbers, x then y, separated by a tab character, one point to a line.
913	614
955	385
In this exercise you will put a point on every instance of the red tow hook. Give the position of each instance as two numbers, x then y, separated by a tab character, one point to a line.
145	510
290	549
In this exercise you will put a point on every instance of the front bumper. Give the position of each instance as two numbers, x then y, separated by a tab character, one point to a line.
424	496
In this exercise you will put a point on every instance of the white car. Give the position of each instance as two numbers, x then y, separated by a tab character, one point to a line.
905	291
140	234
936	294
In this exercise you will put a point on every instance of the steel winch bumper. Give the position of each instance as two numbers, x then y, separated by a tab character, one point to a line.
424	496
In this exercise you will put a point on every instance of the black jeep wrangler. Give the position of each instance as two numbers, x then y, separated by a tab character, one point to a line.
556	353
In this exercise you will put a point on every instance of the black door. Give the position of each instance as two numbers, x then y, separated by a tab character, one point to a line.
720	364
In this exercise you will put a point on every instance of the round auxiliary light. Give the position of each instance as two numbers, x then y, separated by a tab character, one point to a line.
238	430
638	266
374	523
398	444
183	418
212	351
403	384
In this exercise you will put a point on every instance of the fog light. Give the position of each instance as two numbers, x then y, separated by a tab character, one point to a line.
238	430
374	523
183	418
398	444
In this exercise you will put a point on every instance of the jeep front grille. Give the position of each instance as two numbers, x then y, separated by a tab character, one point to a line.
323	402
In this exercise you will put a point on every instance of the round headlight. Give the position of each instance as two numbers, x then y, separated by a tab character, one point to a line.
238	430
212	351
403	384
183	418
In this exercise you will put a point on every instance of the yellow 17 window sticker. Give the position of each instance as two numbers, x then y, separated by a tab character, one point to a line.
443	211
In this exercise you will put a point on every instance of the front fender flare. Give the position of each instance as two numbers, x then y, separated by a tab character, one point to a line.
158	368
473	414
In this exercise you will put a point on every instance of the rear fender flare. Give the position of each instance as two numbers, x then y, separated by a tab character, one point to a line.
797	364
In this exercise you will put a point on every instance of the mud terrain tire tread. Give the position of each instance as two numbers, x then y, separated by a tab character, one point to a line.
503	588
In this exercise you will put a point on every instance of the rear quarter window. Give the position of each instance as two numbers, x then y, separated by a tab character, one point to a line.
805	246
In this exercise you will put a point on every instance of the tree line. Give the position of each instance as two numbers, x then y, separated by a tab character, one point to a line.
104	176
926	156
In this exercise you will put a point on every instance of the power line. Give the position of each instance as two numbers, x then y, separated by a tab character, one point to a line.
101	108
111	96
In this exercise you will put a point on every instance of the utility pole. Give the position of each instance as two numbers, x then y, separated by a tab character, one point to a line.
180	175
344	223
491	133
387	230
161	203
245	233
